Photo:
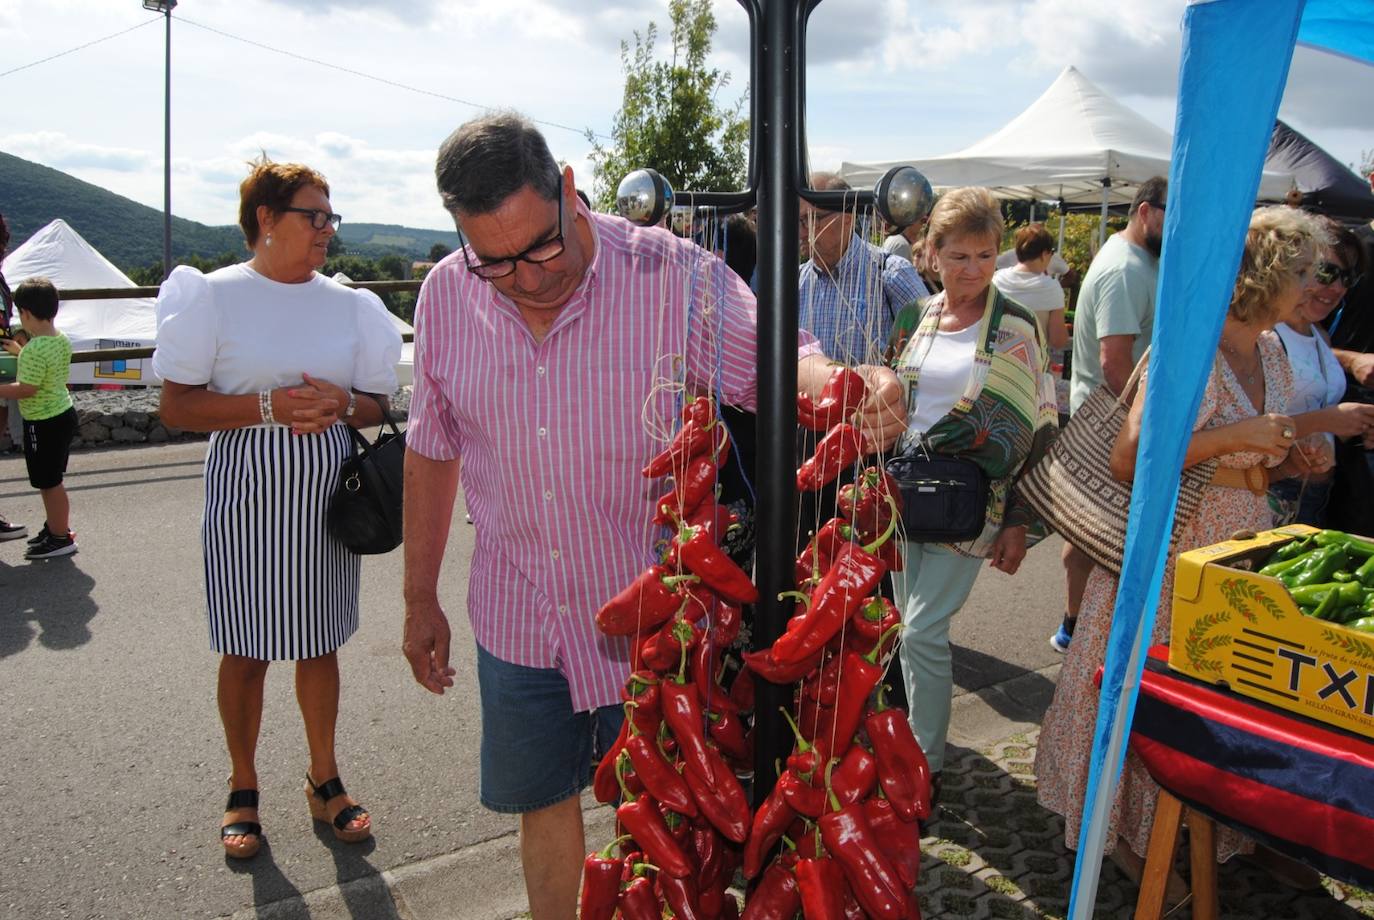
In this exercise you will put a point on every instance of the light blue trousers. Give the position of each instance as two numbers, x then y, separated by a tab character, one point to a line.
931	588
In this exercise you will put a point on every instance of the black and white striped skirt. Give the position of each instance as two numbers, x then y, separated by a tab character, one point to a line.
278	586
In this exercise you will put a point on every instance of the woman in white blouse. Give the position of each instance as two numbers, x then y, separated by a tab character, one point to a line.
1318	385
1027	283
275	359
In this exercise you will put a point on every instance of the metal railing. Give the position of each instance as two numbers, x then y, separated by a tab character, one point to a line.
96	355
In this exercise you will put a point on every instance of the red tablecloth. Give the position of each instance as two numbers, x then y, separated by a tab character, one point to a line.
1304	788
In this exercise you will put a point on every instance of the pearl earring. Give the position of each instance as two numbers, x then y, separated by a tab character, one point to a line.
268	241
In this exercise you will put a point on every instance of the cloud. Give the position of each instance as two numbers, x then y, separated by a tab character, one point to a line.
57	150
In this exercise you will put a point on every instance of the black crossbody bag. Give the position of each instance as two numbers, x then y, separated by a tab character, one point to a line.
365	512
943	499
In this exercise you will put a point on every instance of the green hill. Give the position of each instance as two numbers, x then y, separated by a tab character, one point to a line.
129	234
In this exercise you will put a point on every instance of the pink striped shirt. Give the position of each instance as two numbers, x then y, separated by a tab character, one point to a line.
553	434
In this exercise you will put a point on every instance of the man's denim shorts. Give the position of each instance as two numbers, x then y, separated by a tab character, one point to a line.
536	751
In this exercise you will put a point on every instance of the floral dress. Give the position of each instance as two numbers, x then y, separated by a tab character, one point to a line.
1066	737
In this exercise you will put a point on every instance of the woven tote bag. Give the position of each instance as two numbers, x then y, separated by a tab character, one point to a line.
1072	488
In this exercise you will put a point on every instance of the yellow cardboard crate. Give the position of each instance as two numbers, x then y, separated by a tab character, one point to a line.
1243	630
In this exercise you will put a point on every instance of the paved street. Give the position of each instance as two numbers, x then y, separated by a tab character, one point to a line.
112	767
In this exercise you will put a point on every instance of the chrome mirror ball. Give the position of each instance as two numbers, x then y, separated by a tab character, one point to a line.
643	197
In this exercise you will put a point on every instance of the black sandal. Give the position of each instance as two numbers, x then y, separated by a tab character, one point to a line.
252	830
319	795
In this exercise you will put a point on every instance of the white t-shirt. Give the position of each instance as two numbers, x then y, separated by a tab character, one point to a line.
944	376
1057	266
1318	380
239	332
1040	293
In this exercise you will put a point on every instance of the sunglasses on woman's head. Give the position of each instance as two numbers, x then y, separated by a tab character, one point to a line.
1332	272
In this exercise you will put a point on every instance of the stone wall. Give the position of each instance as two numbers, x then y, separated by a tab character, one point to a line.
111	418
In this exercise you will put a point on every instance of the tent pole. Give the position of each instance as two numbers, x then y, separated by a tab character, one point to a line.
1102	226
1032	213
1063	219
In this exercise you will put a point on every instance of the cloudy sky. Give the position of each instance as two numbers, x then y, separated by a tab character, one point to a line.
304	79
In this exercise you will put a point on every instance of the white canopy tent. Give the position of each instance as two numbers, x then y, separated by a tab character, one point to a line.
1076	144
60	254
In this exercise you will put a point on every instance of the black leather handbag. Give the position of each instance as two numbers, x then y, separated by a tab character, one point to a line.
365	512
943	499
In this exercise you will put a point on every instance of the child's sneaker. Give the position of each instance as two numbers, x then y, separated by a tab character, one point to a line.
1061	639
43	534
10	531
53	547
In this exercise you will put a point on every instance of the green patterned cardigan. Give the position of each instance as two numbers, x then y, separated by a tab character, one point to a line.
1008	415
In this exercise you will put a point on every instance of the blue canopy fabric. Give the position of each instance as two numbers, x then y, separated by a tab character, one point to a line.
1236	55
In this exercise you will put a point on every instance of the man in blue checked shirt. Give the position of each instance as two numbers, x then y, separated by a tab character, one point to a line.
850	290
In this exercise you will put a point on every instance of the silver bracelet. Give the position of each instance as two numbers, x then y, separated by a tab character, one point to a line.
265	407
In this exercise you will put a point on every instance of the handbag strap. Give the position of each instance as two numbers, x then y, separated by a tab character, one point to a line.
362	443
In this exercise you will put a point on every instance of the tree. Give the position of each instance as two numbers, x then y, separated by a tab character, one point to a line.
669	119
438	251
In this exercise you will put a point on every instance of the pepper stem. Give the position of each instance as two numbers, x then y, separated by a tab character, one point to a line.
606	851
802	744
805	599
620	761
829	791
873	656
882	699
891	526
672	581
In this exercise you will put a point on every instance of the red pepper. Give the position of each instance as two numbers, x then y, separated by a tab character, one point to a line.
601	883
770	821
822	886
643	711
855	776
700	555
804	761
776	896
742	690
723	801
835	453
869	503
902	766
642	820
840	397
804	799
694	486
817	722
637	901
808	838
714	517
682	896
763	664
854	575
714	698
727	731
646	602
658	776
692	439
725	622
604	785
660	650
824	685
870	874
900	840
683	715
858	678
708	847
700	410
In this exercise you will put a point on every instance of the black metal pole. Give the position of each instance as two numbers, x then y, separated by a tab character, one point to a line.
167	155
777	377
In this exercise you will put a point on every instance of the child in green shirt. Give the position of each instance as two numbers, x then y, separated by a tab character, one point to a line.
46	406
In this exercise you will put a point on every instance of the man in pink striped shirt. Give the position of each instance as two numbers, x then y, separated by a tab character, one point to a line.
551	355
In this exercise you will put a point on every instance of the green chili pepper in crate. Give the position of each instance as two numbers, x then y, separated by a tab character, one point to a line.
1328	561
1363	625
1312	595
1292	549
1291	564
1355	546
1327	606
1365	573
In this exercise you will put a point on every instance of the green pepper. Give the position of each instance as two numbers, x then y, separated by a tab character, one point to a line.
1343	576
1363	625
1353	545
1326	607
1277	568
1292	549
1347	593
1365	573
1328	561
1347	614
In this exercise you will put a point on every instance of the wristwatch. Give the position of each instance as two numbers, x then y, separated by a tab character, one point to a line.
352	404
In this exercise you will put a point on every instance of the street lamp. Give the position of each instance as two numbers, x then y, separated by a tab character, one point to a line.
165	7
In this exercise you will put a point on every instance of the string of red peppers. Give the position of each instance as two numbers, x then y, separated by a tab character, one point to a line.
846	803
